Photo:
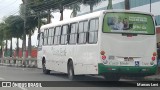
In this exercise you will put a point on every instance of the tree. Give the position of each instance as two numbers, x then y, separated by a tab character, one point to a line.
91	3
40	5
75	7
1	38
32	20
7	35
15	28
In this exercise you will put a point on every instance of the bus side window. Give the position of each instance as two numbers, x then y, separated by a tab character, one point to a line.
50	36
73	33
57	35
64	34
45	36
93	31
40	40
82	31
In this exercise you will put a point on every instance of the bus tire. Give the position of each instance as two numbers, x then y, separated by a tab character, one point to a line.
45	71
70	71
112	77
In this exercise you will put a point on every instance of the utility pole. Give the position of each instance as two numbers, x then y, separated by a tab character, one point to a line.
49	16
24	33
109	4
39	22
127	5
150	5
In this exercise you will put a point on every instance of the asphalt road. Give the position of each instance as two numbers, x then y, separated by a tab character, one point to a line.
33	74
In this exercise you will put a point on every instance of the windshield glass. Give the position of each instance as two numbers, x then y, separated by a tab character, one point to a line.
128	23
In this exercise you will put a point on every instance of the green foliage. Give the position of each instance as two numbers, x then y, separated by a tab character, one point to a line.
2	28
91	3
15	26
31	24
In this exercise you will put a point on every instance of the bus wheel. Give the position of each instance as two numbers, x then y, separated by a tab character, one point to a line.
70	71
45	71
112	77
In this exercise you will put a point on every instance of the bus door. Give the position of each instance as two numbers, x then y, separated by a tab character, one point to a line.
40	53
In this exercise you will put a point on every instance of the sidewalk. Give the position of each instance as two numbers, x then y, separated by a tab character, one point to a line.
18	65
154	77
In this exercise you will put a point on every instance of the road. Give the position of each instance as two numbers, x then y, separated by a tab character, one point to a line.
34	74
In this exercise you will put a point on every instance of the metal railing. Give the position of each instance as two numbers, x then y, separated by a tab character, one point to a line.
29	62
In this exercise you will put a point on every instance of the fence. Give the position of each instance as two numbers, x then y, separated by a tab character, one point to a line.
29	62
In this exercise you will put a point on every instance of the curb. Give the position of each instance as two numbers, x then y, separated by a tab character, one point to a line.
150	78
16	65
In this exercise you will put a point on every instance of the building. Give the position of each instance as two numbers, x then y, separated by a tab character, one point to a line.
135	5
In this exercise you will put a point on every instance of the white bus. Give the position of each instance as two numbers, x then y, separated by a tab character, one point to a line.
108	43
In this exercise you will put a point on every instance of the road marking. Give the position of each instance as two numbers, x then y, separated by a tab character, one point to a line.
22	88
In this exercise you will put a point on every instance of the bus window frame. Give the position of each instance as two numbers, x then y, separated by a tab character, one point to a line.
97	18
58	35
74	33
83	32
45	37
41	39
52	35
66	34
127	32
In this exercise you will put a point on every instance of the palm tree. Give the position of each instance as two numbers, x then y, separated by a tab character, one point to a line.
1	38
75	7
15	28
91	3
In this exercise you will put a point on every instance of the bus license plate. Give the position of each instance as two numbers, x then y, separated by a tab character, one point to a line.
128	59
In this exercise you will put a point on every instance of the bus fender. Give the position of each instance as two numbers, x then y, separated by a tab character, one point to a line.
70	59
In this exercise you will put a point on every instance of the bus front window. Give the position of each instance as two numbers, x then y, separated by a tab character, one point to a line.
117	22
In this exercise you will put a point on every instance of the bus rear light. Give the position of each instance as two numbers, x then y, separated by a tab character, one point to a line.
102	52
154	54
103	57
153	58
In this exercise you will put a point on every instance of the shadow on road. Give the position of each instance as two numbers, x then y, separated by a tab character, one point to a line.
78	77
90	81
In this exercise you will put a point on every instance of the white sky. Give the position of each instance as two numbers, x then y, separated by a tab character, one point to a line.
11	7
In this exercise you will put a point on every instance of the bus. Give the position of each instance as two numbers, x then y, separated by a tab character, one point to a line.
112	44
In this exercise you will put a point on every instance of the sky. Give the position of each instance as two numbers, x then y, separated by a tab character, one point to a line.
11	7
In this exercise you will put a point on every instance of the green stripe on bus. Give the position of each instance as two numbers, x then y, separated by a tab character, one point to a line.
104	69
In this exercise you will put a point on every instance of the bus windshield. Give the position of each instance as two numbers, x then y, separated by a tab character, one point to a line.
121	22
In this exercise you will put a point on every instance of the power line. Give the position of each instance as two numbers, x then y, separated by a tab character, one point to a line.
50	5
14	12
1	1
8	5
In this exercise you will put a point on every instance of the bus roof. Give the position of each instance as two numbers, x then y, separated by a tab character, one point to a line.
72	20
85	17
